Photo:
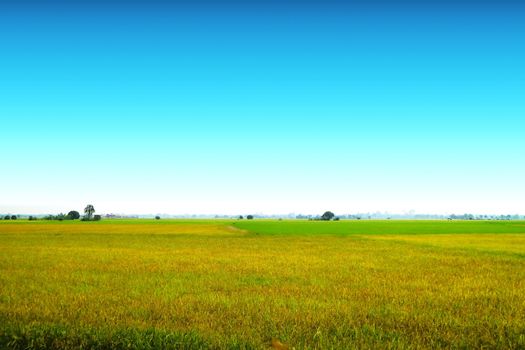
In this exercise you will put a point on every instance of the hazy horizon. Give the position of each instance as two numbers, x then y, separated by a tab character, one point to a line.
26	210
262	107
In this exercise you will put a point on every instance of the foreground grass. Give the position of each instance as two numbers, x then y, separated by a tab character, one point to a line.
219	284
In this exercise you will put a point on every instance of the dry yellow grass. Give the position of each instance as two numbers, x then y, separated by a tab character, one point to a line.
505	244
127	227
238	289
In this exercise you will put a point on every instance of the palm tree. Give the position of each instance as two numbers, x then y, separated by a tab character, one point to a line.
89	210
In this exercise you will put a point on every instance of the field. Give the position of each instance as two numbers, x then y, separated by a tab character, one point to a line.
149	284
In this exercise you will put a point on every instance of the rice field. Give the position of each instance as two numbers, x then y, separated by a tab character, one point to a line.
262	284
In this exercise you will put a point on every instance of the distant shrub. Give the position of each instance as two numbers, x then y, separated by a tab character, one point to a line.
59	217
97	218
157	217
336	219
31	218
73	215
7	217
328	215
249	217
241	217
14	217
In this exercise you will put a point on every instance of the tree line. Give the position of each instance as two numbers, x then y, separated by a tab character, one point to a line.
89	211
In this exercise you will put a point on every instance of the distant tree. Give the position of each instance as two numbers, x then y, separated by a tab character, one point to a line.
89	210
249	217
7	217
31	218
97	218
157	217
62	217
328	215
73	215
241	217
14	217
336	218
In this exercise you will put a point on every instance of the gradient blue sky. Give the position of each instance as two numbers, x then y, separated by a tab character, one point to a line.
262	106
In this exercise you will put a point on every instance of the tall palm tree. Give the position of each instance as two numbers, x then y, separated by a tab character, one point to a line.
89	210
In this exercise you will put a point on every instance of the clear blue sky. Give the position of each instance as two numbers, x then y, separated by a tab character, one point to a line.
262	106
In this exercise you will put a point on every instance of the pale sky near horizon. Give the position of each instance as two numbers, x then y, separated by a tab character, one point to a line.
233	107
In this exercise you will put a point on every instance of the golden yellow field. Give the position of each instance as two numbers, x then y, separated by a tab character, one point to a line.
223	284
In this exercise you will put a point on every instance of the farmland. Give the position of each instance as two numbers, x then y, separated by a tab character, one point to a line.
257	284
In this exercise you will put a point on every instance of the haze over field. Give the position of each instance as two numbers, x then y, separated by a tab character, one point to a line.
262	106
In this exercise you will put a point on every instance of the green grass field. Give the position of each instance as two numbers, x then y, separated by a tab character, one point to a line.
148	284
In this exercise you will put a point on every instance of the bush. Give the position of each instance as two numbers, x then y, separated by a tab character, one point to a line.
7	217
73	215
31	218
97	218
157	217
14	217
249	217
327	216
59	217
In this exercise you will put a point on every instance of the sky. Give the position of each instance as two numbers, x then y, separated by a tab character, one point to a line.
239	107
